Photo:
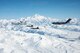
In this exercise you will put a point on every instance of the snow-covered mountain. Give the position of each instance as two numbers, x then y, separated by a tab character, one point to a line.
18	36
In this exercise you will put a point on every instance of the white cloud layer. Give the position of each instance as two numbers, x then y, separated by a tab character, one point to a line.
16	36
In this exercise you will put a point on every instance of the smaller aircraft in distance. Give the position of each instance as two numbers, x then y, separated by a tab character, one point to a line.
35	28
30	26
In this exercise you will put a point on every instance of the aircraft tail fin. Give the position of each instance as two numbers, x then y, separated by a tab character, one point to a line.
68	20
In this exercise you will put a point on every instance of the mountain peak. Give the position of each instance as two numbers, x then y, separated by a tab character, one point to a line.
38	17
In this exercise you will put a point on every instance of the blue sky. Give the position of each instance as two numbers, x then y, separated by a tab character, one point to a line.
52	8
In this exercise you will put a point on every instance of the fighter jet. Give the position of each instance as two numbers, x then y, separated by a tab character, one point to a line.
35	28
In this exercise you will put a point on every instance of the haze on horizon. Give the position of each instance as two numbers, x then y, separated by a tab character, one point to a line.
52	8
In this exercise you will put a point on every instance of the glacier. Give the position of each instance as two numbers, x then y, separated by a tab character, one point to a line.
17	37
